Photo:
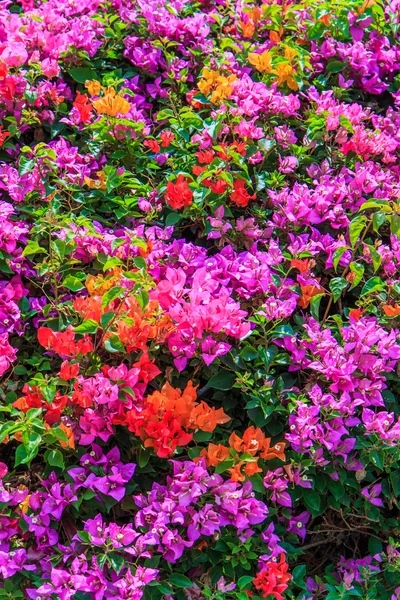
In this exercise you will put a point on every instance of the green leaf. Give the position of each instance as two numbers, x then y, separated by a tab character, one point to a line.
257	483
312	500
356	227
299	573
378	220
395	481
337	285
106	318
358	271
54	458
337	255
346	123
335	66
248	353
73	283
374	203
111	295
315	301
140	263
114	344
374	284
82	74
172	219
245	582
116	562
88	326
32	248
179	580
223	380
376	257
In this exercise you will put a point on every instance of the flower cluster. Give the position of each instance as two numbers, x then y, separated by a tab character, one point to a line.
199	299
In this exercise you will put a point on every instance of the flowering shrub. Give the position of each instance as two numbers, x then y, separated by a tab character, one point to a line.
199	300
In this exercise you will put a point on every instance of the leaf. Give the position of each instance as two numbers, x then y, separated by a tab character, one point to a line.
358	271
82	74
374	284
315	301
245	582
54	458
337	285
111	295
337	255
88	326
376	257
356	227
248	353
378	220
179	580
335	66
395	481
106	318
375	203
312	500
299	573
114	344
223	380
116	562
73	283
172	219
140	263
32	248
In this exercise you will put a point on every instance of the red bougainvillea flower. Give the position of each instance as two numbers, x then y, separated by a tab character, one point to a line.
3	135
356	314
152	144
63	342
83	106
68	371
240	196
166	138
178	194
272	580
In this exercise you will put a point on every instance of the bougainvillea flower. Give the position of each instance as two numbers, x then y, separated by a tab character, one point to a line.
178	194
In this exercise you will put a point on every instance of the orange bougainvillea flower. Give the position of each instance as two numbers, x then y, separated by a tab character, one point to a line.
219	86
167	414
248	28
206	419
308	292
276	451
214	454
97	184
285	74
302	265
262	62
24	505
251	468
391	311
70	443
111	104
236	472
93	87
